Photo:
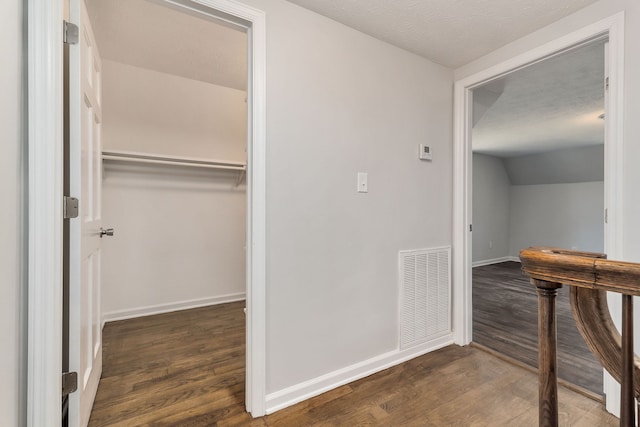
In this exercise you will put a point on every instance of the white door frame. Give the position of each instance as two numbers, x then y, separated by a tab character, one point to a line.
611	27
45	208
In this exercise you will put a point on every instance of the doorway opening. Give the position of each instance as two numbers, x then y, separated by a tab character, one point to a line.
611	29
538	180
45	193
174	149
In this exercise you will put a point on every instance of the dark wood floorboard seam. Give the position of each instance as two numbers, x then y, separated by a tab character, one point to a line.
505	320
187	369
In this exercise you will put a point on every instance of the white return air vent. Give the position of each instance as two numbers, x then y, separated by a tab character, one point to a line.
425	295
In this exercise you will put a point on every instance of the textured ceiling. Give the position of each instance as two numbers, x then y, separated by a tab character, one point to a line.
551	105
149	35
449	32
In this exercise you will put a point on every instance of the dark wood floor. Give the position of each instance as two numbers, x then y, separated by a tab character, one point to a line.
505	319
187	369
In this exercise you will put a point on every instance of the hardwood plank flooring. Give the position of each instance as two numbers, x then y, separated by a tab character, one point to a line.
187	369
505	319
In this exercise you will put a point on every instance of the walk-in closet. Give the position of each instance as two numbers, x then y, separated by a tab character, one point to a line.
173	159
174	137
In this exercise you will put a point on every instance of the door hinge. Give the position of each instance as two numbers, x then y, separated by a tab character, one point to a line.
69	207
606	216
70	33
470	227
69	383
606	83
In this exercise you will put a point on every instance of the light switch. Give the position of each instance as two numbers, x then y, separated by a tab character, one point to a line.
363	186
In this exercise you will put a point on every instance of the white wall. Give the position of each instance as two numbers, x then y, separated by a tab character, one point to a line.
179	232
490	208
561	215
583	164
340	102
13	334
514	217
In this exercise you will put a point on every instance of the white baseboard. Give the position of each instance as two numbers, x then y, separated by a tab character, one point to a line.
611	390
305	390
130	313
494	261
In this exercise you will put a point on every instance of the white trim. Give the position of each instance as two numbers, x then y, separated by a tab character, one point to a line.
45	213
256	197
494	261
462	308
611	27
45	208
611	389
305	390
255	396
150	310
614	131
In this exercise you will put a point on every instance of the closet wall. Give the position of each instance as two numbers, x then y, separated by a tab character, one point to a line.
179	231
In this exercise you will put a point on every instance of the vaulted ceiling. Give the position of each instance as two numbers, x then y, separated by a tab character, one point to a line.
151	35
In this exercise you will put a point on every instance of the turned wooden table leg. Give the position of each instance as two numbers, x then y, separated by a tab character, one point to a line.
547	358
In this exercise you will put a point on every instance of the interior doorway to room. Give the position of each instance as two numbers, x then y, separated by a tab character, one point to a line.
174	187
538	140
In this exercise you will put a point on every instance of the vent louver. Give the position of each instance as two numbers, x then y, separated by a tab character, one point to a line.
425	295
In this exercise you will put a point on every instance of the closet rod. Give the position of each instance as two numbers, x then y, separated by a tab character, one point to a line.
171	160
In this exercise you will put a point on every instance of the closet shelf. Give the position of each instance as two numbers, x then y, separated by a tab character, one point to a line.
128	156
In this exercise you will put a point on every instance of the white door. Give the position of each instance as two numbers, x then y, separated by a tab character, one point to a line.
85	166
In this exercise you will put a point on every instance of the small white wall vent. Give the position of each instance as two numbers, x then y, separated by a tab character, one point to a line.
425	295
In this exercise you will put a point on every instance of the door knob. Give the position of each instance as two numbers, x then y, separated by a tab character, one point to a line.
106	232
